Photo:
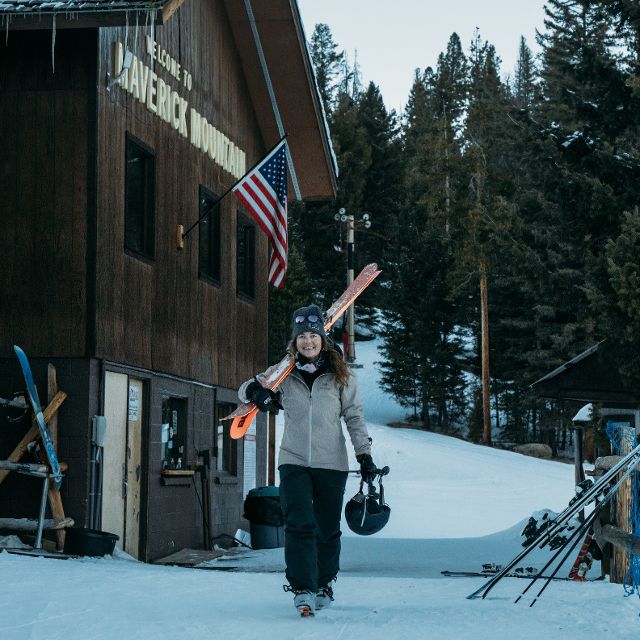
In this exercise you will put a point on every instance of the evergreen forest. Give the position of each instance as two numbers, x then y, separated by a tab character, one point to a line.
529	180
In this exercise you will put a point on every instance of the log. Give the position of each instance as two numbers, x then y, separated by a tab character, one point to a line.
607	462
617	537
28	524
34	432
23	467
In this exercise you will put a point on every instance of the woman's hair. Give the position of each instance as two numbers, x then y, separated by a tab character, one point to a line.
337	365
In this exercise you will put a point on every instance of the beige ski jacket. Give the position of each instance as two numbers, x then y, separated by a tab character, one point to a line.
313	435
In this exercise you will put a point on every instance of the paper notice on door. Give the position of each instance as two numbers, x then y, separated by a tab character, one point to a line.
134	403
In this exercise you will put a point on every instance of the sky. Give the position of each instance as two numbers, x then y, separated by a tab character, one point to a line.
392	39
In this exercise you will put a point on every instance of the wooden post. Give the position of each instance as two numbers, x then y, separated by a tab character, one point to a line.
52	389
620	557
271	457
579	467
484	330
55	500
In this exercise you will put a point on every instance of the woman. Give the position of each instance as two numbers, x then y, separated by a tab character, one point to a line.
313	461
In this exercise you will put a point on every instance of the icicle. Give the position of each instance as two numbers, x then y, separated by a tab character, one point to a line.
135	42
6	42
153	26
126	30
53	45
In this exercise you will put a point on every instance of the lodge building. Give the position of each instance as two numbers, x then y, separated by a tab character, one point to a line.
122	120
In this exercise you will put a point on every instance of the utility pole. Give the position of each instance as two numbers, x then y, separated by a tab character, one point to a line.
350	221
351	344
484	331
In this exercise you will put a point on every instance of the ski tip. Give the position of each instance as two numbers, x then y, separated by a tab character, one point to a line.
305	612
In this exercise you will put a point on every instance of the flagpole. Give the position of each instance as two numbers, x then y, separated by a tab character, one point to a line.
215	203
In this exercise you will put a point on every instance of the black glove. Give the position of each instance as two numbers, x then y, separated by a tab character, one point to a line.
368	469
264	399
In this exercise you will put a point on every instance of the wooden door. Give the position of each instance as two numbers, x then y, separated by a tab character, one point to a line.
134	467
113	454
122	459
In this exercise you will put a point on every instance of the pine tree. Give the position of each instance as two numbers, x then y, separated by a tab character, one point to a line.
328	64
422	347
524	88
382	187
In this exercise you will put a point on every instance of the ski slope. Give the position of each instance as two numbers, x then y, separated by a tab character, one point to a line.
454	506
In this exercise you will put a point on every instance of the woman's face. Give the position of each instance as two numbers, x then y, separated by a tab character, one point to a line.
309	345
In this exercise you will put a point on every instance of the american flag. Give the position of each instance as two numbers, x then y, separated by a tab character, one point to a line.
263	191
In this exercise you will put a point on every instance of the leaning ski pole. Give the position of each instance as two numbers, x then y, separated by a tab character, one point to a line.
585	527
577	535
628	464
243	416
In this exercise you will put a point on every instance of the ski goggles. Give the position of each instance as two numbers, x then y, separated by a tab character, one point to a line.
312	318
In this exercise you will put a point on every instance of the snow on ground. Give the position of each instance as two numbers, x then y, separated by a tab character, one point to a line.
454	506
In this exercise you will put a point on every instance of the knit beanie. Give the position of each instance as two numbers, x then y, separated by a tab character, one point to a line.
307	319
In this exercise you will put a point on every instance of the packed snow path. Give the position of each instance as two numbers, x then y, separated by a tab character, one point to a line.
454	506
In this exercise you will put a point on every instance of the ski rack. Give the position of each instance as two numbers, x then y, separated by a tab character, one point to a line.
600	488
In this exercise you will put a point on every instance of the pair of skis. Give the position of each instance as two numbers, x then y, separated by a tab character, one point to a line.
516	573
243	416
599	493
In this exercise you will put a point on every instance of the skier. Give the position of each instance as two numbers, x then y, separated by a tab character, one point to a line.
312	461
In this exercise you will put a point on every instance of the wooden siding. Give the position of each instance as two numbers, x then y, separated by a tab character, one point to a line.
159	315
45	135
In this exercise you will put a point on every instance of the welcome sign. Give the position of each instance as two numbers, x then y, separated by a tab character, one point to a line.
143	83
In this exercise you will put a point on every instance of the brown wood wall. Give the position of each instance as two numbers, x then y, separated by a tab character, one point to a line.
45	139
159	315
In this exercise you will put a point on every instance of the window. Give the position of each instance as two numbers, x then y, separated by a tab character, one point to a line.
139	208
209	243
224	447
245	256
174	433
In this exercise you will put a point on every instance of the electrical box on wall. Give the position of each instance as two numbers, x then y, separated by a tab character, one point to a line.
98	429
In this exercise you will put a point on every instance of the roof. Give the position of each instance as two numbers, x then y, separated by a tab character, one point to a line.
285	49
592	376
34	14
568	365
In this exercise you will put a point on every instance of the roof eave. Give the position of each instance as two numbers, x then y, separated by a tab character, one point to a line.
284	47
67	18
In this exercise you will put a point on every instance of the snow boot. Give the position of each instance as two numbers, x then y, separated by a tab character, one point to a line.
324	597
303	600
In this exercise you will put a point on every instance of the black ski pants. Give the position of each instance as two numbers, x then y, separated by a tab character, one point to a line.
311	501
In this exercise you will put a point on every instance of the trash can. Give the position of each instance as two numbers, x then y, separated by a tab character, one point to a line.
262	510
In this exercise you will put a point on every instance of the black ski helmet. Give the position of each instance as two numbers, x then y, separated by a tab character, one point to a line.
367	514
